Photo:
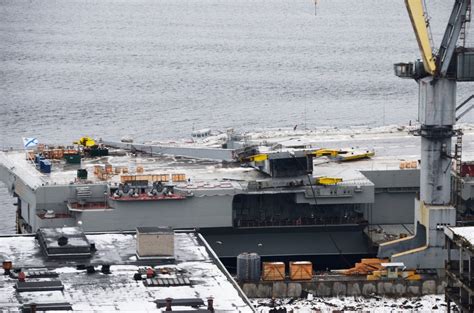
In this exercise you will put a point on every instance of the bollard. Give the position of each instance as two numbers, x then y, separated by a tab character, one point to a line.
7	266
210	304
21	276
168	304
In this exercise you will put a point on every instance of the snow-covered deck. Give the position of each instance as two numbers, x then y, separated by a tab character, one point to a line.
392	145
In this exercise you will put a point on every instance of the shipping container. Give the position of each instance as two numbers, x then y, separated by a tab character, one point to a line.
467	170
127	178
96	152
302	270
30	155
108	168
273	271
178	177
82	173
161	177
70	151
73	158
58	154
97	169
45	166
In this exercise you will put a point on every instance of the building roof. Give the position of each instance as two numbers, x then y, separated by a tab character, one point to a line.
196	274
463	236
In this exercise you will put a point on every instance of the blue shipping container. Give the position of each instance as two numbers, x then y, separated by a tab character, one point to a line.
38	164
45	166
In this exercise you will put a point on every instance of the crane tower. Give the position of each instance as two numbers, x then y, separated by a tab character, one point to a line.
437	75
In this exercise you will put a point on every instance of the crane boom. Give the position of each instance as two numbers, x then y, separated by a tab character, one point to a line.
420	26
451	35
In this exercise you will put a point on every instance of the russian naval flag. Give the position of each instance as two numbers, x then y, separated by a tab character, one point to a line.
29	142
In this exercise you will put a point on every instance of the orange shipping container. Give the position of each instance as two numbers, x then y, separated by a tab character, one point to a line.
58	154
31	155
70	151
273	271
126	178
302	270
161	177
178	177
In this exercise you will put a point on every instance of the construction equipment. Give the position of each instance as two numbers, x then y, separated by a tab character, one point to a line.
338	155
326	152
354	156
86	142
258	157
379	269
436	76
393	271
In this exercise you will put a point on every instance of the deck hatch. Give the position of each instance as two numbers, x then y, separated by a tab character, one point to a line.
66	242
192	302
51	285
168	282
60	306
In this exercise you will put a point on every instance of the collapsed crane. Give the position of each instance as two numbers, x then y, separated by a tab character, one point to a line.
437	75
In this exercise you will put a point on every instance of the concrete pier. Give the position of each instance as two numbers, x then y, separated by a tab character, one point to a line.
343	286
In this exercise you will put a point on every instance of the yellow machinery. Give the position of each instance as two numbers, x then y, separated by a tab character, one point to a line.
258	157
326	152
380	269
393	271
343	155
353	156
85	142
298	162
326	181
340	155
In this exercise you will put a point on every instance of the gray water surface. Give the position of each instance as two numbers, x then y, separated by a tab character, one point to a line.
156	69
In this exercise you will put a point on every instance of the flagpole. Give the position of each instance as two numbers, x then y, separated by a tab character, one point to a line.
27	142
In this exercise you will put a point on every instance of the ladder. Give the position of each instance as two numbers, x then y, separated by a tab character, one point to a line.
465	25
457	176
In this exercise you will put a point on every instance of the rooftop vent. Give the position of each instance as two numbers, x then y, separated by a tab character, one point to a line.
155	242
66	242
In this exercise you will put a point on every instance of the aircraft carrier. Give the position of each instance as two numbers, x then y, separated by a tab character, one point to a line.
280	193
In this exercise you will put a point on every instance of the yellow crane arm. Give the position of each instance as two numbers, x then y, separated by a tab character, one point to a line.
418	21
